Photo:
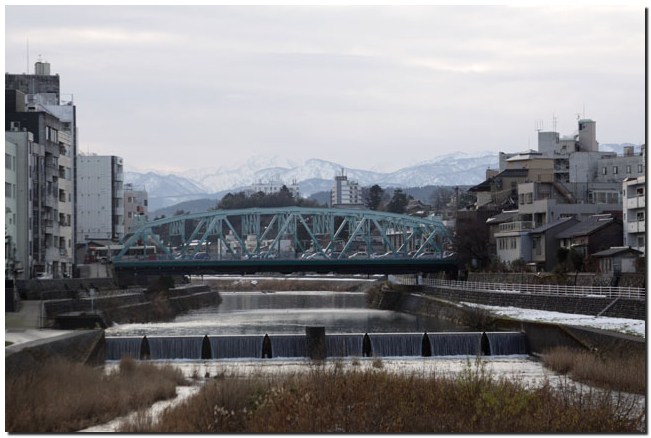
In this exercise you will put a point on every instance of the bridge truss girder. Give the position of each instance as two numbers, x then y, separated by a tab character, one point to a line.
288	233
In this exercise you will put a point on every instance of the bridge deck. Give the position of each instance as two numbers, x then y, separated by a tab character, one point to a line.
207	267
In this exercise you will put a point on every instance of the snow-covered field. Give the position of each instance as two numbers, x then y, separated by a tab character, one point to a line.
621	325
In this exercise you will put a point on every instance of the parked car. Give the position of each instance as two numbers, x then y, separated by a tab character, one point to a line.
201	256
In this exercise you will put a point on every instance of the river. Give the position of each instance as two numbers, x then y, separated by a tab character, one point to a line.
246	314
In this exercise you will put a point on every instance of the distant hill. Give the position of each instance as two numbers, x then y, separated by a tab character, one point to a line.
313	176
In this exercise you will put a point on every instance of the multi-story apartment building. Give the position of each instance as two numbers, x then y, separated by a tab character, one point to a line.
274	186
135	207
11	209
100	198
346	193
634	214
43	128
47	181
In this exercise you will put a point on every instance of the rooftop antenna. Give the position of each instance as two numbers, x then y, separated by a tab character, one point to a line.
554	122
27	49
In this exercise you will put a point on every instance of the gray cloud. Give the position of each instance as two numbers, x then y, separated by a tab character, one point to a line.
182	87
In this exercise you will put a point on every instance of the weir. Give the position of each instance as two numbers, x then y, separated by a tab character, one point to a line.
503	343
337	345
455	344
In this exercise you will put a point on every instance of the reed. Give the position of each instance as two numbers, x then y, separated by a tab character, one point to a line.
612	372
63	396
335	399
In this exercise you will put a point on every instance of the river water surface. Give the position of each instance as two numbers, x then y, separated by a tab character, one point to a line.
286	312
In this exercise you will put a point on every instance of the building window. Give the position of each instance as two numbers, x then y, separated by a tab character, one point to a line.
640	241
8	161
604	171
628	169
615	170
7	190
640	216
640	191
640	168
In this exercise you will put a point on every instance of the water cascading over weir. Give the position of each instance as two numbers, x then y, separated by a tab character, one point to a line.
337	345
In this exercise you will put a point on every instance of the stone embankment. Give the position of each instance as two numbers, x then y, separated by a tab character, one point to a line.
568	279
73	307
75	299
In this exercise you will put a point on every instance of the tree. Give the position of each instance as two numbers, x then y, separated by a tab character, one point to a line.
398	202
373	198
471	242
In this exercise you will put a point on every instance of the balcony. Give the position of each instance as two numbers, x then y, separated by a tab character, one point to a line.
635	202
517	226
636	227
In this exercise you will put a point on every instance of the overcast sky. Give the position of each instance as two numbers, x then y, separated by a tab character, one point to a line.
176	88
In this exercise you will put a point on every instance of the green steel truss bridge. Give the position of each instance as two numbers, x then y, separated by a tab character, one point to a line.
286	240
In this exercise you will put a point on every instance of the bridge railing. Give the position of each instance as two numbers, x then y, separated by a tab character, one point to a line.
636	293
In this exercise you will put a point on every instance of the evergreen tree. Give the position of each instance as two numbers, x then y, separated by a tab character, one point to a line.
398	202
373	198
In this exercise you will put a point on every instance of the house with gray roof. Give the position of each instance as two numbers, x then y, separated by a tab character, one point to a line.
597	233
617	260
544	242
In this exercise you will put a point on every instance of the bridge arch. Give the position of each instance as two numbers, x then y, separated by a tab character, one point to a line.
286	233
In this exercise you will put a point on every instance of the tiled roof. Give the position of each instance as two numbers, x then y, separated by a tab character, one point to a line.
550	225
585	227
502	217
616	250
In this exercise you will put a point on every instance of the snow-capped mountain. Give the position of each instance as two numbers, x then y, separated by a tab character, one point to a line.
164	190
312	176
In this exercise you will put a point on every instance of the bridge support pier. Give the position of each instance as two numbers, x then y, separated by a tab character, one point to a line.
316	343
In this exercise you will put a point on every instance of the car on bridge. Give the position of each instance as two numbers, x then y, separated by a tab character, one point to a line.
201	256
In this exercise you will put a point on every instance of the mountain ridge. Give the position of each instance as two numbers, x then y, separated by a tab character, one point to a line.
314	175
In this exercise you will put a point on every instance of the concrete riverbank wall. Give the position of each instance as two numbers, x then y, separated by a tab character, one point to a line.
83	346
541	337
584	305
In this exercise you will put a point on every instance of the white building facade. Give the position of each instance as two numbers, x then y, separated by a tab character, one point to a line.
100	198
346	193
135	207
274	186
11	209
634	215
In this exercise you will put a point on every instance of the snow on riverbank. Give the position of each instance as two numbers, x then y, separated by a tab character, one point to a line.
634	327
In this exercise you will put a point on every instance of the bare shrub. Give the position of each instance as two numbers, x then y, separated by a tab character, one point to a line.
617	373
326	400
64	396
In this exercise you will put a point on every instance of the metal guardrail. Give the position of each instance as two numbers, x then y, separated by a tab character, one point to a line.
635	293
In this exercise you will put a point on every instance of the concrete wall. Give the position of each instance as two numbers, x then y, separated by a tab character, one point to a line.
63	288
541	337
620	308
82	346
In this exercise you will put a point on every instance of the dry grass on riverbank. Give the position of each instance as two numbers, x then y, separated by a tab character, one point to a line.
617	373
375	401
64	396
